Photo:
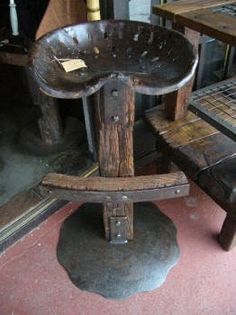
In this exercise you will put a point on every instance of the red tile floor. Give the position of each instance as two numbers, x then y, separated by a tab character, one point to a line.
204	281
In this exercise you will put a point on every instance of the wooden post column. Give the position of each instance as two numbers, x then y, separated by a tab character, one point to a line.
176	103
227	237
115	115
50	125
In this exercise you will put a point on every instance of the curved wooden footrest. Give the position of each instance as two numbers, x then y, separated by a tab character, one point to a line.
118	189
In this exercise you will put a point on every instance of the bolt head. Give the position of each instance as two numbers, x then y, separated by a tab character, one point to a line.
115	118
114	93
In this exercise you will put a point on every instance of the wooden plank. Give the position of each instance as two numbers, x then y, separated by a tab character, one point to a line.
176	103
203	153
189	133
121	191
180	132
108	184
14	59
193	144
156	117
50	124
216	25
60	13
115	117
170	10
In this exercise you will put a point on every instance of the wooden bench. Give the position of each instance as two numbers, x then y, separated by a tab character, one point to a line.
206	155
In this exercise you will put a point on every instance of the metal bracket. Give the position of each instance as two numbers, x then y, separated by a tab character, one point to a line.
118	230
113	96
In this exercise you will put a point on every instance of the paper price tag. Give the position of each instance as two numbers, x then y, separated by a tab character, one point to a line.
73	64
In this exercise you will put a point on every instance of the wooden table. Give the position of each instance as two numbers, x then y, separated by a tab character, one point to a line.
215	18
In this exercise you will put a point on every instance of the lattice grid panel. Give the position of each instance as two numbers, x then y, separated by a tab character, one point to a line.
217	104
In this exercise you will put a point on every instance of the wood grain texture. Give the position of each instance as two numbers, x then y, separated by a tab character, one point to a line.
14	59
60	13
203	153
108	184
193	144
189	133
156	117
216	25
181	132
176	103
115	116
170	10
50	124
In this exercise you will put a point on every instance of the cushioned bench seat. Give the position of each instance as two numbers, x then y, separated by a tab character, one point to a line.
206	155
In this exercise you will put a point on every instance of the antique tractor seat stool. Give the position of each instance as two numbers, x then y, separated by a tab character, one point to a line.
115	59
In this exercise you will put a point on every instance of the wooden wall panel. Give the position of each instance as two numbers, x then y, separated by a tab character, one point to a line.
60	13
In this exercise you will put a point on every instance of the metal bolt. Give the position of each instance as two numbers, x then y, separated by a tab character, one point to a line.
108	198
114	93
177	191
118	235
115	118
118	223
124	198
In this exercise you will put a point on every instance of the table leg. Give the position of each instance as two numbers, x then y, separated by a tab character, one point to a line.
50	134
50	126
176	103
227	237
115	115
